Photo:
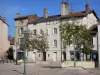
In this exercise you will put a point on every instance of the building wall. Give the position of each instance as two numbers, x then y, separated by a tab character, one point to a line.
51	37
18	34
99	43
89	20
4	43
95	42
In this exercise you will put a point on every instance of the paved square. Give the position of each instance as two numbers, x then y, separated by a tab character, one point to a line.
44	69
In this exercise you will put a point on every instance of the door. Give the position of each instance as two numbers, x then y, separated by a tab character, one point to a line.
34	56
44	56
55	56
64	56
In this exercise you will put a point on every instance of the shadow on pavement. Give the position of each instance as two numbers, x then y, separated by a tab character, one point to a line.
18	71
52	67
93	68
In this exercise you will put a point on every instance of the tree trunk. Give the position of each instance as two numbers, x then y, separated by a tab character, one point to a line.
61	49
74	57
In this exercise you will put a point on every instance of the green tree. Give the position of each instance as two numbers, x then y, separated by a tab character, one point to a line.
38	42
76	35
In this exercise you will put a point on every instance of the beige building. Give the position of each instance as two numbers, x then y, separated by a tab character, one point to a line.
50	25
21	23
4	43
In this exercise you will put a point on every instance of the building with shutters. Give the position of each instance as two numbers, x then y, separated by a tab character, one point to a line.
50	25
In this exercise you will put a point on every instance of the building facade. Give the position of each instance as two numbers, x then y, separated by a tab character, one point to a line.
50	25
21	23
4	43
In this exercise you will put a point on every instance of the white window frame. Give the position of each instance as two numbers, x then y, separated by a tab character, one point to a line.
55	31
55	43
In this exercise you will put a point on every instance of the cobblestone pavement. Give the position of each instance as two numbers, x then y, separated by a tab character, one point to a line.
44	69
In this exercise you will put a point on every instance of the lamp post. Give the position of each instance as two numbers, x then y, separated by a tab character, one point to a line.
25	49
61	49
16	52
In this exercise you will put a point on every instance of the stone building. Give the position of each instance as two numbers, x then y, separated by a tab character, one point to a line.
21	23
50	25
4	43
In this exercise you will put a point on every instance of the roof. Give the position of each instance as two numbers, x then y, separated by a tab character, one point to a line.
26	17
70	15
42	19
80	14
3	19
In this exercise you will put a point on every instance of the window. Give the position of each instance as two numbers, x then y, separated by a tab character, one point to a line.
21	31
56	22
21	21
48	55
55	43
55	30
48	23
39	55
53	22
21	40
41	31
47	31
21	43
18	30
34	31
18	42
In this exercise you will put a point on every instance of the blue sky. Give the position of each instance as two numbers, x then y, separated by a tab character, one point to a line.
9	8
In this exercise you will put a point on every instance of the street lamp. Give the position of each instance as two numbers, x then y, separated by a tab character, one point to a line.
25	49
25	32
16	52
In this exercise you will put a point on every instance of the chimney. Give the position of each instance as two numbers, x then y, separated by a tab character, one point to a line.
17	15
64	8
45	13
87	7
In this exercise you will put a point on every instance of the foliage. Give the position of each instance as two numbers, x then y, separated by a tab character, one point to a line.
77	35
37	42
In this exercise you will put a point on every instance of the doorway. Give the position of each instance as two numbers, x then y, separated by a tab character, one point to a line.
44	56
55	56
64	56
34	56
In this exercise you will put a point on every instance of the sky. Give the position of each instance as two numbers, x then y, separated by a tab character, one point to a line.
9	8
